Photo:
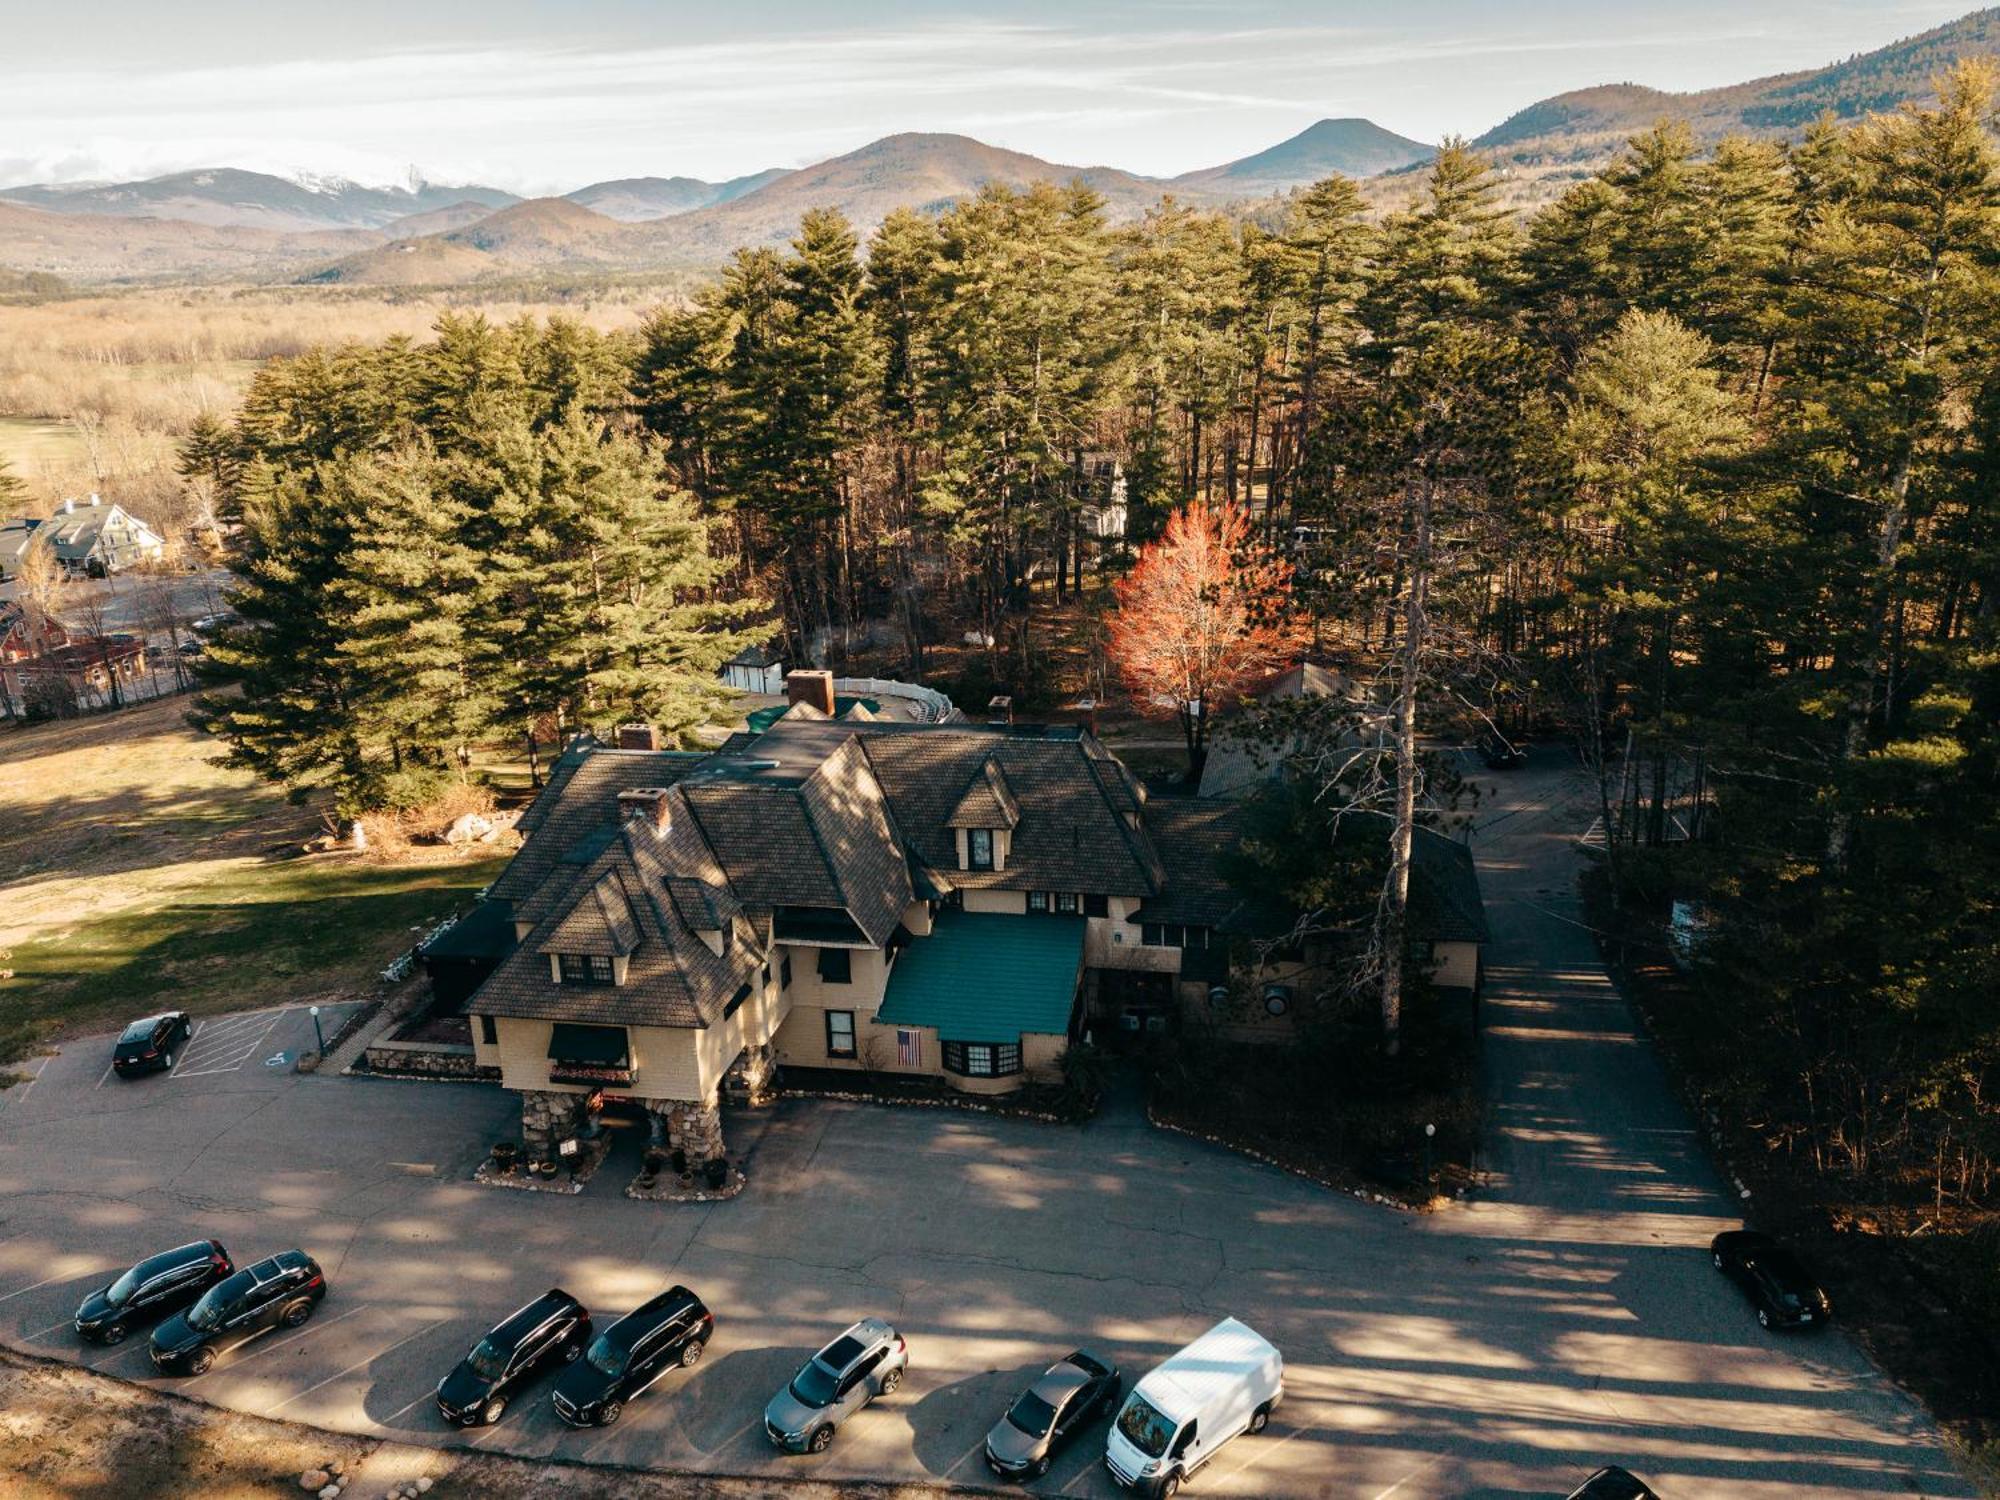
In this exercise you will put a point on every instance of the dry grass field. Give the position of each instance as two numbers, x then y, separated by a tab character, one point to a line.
137	873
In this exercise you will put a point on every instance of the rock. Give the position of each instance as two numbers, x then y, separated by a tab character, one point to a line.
334	1466
331	1492
314	1479
424	1485
469	827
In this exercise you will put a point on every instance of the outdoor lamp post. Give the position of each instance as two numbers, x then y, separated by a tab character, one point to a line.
318	1035
1429	1131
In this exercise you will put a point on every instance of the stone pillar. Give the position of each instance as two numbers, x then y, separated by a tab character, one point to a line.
547	1117
697	1130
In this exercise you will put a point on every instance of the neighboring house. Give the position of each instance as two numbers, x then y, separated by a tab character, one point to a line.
17	534
756	669
957	901
1239	762
87	664
24	634
95	540
1100	484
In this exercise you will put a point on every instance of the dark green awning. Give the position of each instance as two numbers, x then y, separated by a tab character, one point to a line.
603	1045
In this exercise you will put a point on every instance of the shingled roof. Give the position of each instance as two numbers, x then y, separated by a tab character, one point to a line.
988	802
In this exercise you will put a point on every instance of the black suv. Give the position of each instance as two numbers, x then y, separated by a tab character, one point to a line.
148	1045
158	1285
666	1333
280	1292
1613	1483
1778	1286
551	1330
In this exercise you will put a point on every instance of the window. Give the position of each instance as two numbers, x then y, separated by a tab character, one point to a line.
488	1032
743	992
578	968
840	1033
979	848
1164	935
836	966
785	973
982	1059
1097	906
600	969
1038	901
1066	903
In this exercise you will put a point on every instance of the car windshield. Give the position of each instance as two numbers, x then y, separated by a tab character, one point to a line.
216	1304
120	1291
487	1362
1032	1415
138	1031
814	1384
1144	1428
607	1357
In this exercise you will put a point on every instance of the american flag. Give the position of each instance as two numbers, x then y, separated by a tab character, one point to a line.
909	1048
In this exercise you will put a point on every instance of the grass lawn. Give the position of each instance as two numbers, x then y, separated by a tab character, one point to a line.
137	874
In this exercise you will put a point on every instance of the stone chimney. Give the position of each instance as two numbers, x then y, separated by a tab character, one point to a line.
638	737
648	805
814	687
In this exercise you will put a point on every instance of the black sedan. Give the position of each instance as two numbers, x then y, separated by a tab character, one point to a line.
1073	1392
158	1285
552	1330
1613	1483
1778	1286
150	1044
280	1292
667	1333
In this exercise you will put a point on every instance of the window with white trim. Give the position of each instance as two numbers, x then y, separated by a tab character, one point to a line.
840	1033
981	1059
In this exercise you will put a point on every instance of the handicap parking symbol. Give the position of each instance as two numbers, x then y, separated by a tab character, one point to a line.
277	1060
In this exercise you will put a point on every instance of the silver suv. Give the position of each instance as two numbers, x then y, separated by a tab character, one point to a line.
865	1362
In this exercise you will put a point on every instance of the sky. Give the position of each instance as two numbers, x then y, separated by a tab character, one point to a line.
541	96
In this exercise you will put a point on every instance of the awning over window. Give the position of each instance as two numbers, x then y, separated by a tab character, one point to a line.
605	1046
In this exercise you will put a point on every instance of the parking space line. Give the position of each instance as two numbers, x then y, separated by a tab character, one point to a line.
193	1037
65	1276
44	1332
35	1078
106	1073
406	1410
355	1366
234	1051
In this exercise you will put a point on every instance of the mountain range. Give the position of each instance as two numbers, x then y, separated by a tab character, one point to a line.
228	224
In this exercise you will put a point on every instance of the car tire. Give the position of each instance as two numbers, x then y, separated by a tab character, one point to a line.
201	1361
890	1381
1763	1318
1170	1486
821	1440
295	1315
1039	1469
572	1354
612	1411
691	1353
493	1410
114	1334
167	1061
1716	1256
1260	1418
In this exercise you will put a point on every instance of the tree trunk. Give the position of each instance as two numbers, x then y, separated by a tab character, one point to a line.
1393	924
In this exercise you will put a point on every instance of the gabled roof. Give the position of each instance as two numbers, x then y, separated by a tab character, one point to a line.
600	925
988	802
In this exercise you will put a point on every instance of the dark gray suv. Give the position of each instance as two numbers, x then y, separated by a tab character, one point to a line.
865	1362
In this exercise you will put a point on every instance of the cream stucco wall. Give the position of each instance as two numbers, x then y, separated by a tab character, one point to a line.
1014	903
1457	964
667	1062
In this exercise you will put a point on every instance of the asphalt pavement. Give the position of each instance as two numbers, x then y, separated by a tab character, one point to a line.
1566	1317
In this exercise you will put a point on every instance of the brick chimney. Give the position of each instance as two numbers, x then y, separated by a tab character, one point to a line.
638	737
648	805
814	687
1000	709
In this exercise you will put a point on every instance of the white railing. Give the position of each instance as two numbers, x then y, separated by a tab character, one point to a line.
931	705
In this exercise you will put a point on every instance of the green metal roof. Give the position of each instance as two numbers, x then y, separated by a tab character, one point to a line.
988	977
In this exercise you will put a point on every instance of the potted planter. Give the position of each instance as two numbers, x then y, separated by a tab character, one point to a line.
716	1170
680	1160
687	1181
506	1155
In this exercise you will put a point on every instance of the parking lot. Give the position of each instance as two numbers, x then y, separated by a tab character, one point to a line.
1499	1349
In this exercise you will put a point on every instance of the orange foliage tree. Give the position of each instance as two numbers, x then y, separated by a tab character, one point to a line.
1206	611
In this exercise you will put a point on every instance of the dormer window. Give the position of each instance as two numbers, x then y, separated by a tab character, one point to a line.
979	848
586	968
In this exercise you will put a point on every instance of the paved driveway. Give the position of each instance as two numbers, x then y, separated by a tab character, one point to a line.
1567	1319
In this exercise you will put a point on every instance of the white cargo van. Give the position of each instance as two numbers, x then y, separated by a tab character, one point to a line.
1179	1416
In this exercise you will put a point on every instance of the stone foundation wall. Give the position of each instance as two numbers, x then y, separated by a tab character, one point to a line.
548	1117
425	1060
693	1128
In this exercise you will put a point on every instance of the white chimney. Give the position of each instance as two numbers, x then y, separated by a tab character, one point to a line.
93	497
68	506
